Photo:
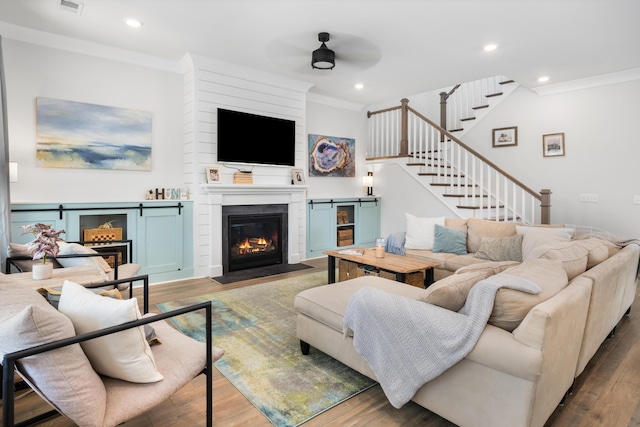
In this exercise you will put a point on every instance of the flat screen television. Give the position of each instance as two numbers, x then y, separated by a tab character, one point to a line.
253	139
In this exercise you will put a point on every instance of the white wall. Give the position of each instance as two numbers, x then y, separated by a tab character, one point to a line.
601	145
602	152
33	71
323	119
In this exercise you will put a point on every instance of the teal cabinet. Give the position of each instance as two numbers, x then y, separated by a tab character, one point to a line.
161	231
341	223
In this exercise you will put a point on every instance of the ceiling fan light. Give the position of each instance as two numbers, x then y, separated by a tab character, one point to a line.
323	58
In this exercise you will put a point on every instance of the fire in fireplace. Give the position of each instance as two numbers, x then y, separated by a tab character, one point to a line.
253	236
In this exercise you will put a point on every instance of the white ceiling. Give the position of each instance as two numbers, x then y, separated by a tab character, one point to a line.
394	47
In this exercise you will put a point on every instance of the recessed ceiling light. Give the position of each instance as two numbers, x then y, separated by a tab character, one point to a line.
133	23
359	86
543	79
490	47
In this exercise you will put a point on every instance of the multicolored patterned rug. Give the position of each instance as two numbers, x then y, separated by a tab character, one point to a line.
256	327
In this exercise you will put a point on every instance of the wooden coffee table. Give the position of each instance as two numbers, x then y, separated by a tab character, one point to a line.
409	270
83	275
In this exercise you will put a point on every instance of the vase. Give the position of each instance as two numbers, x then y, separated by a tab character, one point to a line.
42	271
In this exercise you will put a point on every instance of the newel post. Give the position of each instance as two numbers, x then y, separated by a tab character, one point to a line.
545	206
404	128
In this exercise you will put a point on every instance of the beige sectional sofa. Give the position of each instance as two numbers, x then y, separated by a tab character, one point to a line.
532	347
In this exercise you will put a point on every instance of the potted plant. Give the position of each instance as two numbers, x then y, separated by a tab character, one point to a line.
45	243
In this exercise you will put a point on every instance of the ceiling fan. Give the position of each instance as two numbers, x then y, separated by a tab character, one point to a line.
323	58
351	53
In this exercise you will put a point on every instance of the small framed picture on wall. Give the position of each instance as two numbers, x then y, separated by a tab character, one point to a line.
553	144
213	175
297	175
504	137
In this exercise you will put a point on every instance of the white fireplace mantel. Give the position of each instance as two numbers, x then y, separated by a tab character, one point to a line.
219	195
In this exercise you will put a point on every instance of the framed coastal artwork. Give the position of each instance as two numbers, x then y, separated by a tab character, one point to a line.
331	156
553	144
73	134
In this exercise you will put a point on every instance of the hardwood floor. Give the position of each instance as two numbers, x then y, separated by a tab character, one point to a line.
607	393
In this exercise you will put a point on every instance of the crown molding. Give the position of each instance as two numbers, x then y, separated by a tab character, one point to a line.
588	82
55	41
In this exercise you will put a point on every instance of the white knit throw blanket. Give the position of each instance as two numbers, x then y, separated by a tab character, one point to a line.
408	342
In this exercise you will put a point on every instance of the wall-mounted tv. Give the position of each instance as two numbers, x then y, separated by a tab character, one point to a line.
254	139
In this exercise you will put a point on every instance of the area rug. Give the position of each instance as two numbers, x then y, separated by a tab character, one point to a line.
256	327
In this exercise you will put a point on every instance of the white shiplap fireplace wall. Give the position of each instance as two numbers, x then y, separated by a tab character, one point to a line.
209	85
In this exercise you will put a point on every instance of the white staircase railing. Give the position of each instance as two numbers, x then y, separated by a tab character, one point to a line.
460	172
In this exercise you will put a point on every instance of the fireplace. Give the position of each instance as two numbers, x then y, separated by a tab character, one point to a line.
253	236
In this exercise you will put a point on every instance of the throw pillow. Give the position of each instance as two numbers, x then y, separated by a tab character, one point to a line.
125	355
565	232
77	249
479	228
501	248
421	232
452	291
450	240
511	306
64	375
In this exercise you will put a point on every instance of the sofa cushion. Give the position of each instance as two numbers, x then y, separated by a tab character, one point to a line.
501	248
421	232
327	304
597	250
491	267
530	241
125	355
64	375
478	228
450	240
456	223
573	256
451	292
457	262
77	249
440	257
511	306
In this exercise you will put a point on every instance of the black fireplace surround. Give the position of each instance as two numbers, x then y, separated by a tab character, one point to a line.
254	236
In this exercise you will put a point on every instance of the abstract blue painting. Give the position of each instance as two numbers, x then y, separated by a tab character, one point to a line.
79	135
332	156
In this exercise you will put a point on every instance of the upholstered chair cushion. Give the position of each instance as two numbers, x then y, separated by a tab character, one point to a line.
65	375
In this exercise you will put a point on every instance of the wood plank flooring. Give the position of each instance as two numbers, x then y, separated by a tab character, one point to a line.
606	394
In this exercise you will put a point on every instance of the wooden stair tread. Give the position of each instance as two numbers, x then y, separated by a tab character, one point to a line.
493	94
478	207
466	119
456	130
448	184
416	164
462	195
438	174
480	107
506	82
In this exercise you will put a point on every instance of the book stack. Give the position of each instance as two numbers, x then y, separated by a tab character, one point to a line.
243	178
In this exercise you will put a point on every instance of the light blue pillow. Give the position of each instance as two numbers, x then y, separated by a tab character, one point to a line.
450	240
